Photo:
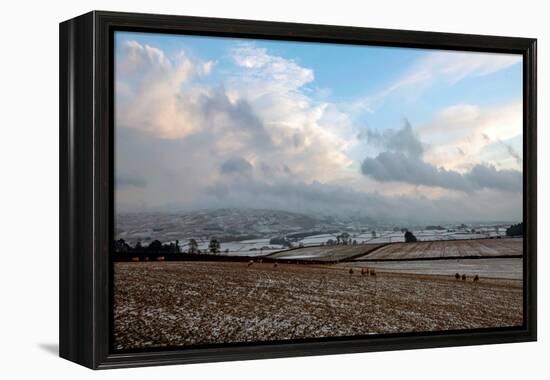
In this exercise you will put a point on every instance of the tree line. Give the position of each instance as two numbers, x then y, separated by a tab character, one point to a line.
156	246
515	230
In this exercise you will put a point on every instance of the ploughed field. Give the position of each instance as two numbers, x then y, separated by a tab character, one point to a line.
442	249
447	249
162	304
326	253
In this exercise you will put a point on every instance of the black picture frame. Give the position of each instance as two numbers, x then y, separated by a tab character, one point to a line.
86	185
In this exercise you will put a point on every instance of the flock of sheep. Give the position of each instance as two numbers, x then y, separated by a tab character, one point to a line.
372	272
365	271
463	277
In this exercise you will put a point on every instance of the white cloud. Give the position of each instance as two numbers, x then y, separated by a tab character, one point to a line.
260	67
459	136
140	57
455	66
310	134
185	141
260	115
441	66
147	88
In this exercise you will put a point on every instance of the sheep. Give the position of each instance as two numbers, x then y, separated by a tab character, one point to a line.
135	258
275	265
476	278
250	263
160	258
457	276
364	271
463	277
373	272
350	271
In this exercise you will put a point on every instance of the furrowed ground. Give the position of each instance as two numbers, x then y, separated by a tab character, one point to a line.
159	304
446	249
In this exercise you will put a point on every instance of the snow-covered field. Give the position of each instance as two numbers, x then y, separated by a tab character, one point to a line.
247	232
383	236
255	247
511	268
159	304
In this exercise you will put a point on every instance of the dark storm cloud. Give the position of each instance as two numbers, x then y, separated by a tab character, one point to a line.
276	170
293	196
484	176
239	116
396	166
402	140
337	200
402	162
236	165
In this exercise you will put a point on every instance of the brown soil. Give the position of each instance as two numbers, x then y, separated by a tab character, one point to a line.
159	304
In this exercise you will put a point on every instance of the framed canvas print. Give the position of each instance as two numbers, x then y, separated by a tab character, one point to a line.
236	189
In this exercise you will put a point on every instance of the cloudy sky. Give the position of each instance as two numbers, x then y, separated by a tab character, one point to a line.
390	133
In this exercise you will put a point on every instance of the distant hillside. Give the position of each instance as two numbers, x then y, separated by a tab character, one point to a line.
224	224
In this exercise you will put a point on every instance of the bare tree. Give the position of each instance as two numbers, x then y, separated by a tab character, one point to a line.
214	246
193	247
